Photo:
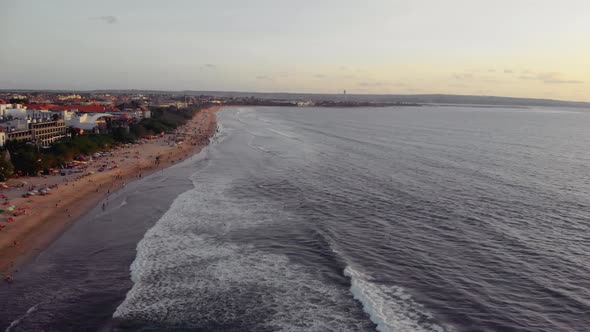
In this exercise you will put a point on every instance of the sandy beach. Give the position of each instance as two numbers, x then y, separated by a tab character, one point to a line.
41	219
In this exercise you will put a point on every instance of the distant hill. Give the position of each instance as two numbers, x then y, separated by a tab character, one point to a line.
377	98
420	99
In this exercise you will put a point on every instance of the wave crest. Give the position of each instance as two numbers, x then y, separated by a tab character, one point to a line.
390	307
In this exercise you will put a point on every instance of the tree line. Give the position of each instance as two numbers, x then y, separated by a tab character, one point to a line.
24	158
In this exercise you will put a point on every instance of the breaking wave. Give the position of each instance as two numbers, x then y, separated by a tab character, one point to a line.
390	307
187	274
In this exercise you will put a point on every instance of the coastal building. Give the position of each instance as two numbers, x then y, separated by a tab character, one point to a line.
177	104
136	115
40	131
2	138
46	132
95	122
22	112
4	106
69	97
87	108
19	135
15	124
305	103
12	110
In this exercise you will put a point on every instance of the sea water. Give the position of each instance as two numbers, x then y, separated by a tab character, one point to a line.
433	218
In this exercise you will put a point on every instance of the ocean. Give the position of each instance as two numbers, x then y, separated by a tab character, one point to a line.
433	218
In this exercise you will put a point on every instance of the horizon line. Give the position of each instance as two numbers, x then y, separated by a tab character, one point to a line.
293	93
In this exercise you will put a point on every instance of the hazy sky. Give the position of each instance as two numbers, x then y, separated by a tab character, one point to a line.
526	48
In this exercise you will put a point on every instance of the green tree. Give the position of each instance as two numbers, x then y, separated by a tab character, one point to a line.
18	101
6	168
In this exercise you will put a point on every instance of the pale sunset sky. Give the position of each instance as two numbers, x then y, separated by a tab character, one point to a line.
518	48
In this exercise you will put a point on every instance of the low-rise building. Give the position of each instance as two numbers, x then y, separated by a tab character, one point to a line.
45	133
2	138
15	124
96	122
42	133
19	135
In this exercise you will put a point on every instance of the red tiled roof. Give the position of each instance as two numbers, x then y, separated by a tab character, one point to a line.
41	106
93	108
3	101
98	109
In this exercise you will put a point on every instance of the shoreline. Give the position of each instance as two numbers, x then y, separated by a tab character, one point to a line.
51	215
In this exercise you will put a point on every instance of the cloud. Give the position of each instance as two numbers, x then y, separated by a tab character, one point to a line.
462	76
508	71
208	66
320	76
550	78
564	82
459	85
263	77
106	19
491	70
473	70
349	77
370	84
524	77
378	84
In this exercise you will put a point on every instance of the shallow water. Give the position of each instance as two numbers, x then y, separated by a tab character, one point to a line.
78	282
319	219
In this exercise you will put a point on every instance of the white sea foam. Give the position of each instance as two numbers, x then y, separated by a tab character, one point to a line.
188	271
181	276
390	307
123	202
283	134
17	321
228	283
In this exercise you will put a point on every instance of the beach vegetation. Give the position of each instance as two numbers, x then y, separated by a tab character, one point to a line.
6	167
29	159
163	119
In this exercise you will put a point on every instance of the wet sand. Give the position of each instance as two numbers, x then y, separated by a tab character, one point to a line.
49	216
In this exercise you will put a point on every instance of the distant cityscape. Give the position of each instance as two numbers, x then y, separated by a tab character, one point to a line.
45	117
